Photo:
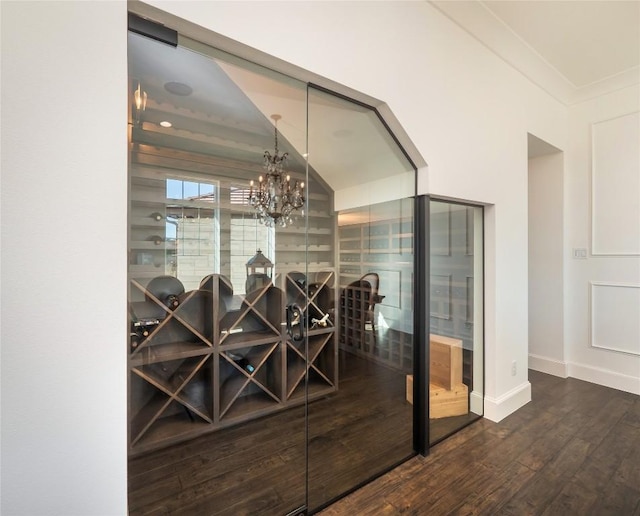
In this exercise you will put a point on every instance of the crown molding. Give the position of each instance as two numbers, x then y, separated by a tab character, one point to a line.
478	21
626	79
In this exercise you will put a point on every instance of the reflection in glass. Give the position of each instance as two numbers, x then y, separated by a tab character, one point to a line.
216	389
370	428
456	325
261	391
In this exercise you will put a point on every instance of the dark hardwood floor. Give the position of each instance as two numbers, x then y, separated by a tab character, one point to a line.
574	450
259	467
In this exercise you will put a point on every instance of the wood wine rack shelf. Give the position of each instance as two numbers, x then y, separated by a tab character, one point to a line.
198	365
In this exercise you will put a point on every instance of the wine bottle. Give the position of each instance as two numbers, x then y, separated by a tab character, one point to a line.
172	301
242	362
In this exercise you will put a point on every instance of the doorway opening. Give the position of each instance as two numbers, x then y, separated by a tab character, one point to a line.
546	269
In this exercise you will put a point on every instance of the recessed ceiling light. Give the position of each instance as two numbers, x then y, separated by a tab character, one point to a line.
178	88
166	123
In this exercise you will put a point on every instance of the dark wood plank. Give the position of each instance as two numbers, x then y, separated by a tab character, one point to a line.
537	494
572	499
575	449
616	499
497	490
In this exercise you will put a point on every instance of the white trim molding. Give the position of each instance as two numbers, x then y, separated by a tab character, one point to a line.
481	23
619	81
605	377
615	182
488	29
496	409
548	365
621	325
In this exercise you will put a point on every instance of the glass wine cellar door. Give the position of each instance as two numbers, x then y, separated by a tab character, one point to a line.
456	343
366	426
217	284
270	288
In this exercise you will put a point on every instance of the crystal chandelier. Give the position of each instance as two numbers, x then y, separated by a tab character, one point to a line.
275	198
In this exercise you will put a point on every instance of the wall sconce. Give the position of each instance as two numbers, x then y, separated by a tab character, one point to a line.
140	101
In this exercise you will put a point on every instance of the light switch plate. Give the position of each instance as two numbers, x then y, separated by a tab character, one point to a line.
579	253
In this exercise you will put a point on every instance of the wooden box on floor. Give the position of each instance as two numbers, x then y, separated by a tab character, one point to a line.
448	396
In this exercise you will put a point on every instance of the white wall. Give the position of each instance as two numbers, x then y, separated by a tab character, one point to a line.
546	272
606	366
64	177
64	377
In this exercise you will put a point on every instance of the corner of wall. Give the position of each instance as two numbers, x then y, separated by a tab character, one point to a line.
496	409
548	365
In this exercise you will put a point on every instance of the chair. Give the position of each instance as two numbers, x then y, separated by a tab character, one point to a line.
357	302
373	279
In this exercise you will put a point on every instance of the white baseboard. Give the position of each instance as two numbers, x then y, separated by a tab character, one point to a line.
548	365
605	377
476	403
496	409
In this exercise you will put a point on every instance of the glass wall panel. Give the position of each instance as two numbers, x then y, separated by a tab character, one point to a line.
271	322
456	343
217	421
366	426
